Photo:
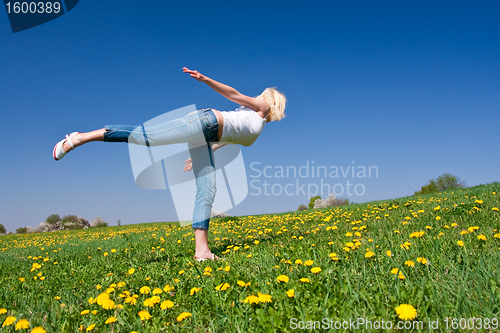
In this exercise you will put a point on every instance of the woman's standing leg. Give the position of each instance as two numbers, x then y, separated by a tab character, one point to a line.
204	171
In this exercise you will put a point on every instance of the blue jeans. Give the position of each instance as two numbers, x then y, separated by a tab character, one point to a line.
199	129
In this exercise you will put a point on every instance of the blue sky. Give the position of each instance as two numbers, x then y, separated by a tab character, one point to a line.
408	87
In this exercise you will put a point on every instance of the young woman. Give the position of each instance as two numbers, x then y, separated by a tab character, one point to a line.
205	131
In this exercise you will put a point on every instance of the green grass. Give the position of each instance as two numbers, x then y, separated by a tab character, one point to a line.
456	282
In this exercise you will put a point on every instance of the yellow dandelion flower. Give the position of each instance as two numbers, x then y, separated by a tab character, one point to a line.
183	316
479	202
3	310
166	304
305	280
38	330
194	290
282	278
90	328
131	271
348	234
495	209
144	315
241	283
252	299
460	243
401	276
406	312
298	262
410	263
145	290
315	270
395	270
422	260
9	321
308	263
389	253
84	312
264	298
94	312
437	208
110	320
130	300
22	279
22	324
290	293
157	291
227	268
481	237
223	286
369	254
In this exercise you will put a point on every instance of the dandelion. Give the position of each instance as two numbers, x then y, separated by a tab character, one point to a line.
298	262
305	280
194	290
3	310
130	300
223	286
157	291
406	312
167	288
144	315
369	254
401	276
110	320
479	202
481	237
145	290
183	316
9	321
282	278
410	263
227	268
264	298
308	263
252	299
389	253
495	209
438	218
167	305
315	270
38	330
437	208
131	271
22	324
460	243
422	260
290	293
90	328
395	270
84	312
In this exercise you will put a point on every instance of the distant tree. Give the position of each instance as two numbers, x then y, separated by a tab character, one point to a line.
447	181
53	219
21	230
311	202
70	219
2	229
119	222
441	183
301	207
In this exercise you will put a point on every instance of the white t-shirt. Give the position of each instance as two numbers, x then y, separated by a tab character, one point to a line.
242	126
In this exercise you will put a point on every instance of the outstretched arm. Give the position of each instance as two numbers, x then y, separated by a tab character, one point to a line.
230	93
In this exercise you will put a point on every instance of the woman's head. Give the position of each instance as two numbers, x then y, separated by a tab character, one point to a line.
277	101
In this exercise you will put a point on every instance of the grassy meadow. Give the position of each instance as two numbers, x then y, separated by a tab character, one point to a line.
438	254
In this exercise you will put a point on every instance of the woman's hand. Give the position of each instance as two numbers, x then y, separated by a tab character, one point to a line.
188	165
197	75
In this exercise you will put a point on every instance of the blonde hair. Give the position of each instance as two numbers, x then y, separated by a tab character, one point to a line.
276	100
